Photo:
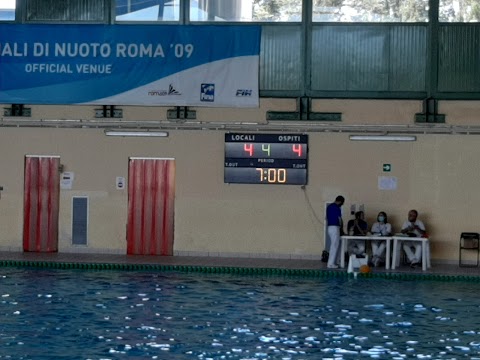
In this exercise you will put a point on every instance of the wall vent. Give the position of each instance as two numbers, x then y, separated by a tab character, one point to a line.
79	220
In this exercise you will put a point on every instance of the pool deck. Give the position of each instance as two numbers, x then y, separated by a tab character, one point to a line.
215	261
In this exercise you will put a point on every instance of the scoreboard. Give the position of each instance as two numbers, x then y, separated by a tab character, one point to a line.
252	158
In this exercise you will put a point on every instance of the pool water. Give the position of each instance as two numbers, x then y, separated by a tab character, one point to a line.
78	314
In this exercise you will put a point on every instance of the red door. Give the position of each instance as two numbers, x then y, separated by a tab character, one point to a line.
41	203
151	192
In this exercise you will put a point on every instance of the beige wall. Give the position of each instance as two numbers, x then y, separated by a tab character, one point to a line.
437	175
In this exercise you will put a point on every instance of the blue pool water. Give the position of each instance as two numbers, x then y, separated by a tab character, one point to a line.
76	314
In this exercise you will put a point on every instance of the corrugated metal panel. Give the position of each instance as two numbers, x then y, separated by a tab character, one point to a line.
65	10
330	58
408	58
459	58
280	58
368	58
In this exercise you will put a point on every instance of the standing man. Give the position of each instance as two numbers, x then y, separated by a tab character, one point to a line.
334	225
416	228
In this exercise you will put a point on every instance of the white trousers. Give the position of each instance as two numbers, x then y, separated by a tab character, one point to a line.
333	253
356	247
378	248
413	257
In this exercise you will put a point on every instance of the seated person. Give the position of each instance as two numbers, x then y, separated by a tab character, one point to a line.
413	228
357	227
381	228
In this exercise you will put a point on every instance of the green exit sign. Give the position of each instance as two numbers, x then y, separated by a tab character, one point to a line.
387	167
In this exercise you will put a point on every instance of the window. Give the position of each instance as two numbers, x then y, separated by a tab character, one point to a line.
7	10
370	10
147	10
459	11
66	10
246	10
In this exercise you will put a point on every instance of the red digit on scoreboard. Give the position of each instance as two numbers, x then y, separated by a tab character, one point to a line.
297	149
248	148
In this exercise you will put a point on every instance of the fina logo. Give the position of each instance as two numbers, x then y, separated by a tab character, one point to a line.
207	92
244	92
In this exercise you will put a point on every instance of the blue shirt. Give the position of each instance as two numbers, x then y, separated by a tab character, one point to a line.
334	214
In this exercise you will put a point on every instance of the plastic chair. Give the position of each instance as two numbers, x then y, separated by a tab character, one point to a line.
469	241
355	262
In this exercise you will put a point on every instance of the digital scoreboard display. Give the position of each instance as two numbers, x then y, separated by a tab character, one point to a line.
266	158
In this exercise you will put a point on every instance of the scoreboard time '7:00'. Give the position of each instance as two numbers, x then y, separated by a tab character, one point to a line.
252	158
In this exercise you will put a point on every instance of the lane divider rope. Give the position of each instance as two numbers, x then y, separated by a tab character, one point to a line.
319	273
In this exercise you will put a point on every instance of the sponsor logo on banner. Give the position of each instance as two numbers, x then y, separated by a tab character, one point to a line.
244	92
207	92
171	91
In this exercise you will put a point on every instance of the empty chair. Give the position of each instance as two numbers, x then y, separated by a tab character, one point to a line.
469	242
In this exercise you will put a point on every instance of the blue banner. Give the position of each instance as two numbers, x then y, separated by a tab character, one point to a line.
152	65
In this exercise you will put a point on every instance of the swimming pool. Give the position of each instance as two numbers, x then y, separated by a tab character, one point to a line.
77	314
